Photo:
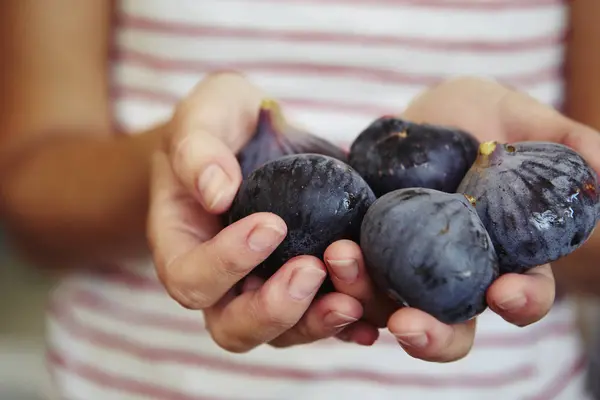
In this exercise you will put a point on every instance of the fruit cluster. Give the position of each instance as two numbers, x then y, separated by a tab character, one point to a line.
438	215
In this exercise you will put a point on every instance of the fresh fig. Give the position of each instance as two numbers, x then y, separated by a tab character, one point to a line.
320	198
428	249
392	153
274	137
537	200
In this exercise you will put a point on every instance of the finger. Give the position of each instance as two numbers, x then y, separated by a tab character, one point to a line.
452	101
424	337
199	277
258	317
335	314
525	118
325	317
501	113
208	168
348	273
360	332
208	129
175	223
189	263
225	104
523	299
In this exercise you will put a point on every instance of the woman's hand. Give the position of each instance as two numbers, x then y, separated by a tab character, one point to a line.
196	178
491	112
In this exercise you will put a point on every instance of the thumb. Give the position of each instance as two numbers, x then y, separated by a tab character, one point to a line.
207	130
524	118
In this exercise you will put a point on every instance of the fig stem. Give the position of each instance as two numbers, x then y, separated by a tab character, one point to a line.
487	148
273	110
269	104
471	200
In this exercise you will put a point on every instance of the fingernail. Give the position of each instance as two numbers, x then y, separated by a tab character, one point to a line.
265	237
338	320
417	340
344	270
212	185
512	303
305	281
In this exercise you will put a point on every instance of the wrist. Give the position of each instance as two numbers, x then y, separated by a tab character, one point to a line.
141	145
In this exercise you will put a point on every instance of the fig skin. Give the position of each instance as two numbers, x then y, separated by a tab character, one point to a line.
392	153
428	250
274	137
537	200
321	199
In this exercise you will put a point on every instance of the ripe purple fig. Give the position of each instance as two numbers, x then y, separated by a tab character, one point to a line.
428	249
274	137
537	200
392	153
321	199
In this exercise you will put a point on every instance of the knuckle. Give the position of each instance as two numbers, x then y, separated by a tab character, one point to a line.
305	331
187	297
271	313
182	152
227	267
190	298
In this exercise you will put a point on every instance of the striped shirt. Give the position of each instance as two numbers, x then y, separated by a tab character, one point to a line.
335	65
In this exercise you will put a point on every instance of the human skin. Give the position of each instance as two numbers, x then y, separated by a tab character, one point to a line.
52	144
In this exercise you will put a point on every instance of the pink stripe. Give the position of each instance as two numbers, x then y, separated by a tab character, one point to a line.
102	339
160	63
117	311
442	4
127	277
562	380
169	99
202	31
118	383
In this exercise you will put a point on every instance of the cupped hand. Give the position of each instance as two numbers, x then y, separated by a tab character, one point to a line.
490	111
194	179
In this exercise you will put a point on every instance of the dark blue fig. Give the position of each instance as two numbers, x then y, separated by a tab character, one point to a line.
537	200
428	249
392	153
274	137
320	198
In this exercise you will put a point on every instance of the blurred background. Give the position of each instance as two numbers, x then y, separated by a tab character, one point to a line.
23	292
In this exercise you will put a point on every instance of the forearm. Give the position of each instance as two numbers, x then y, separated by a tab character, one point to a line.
581	270
73	201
